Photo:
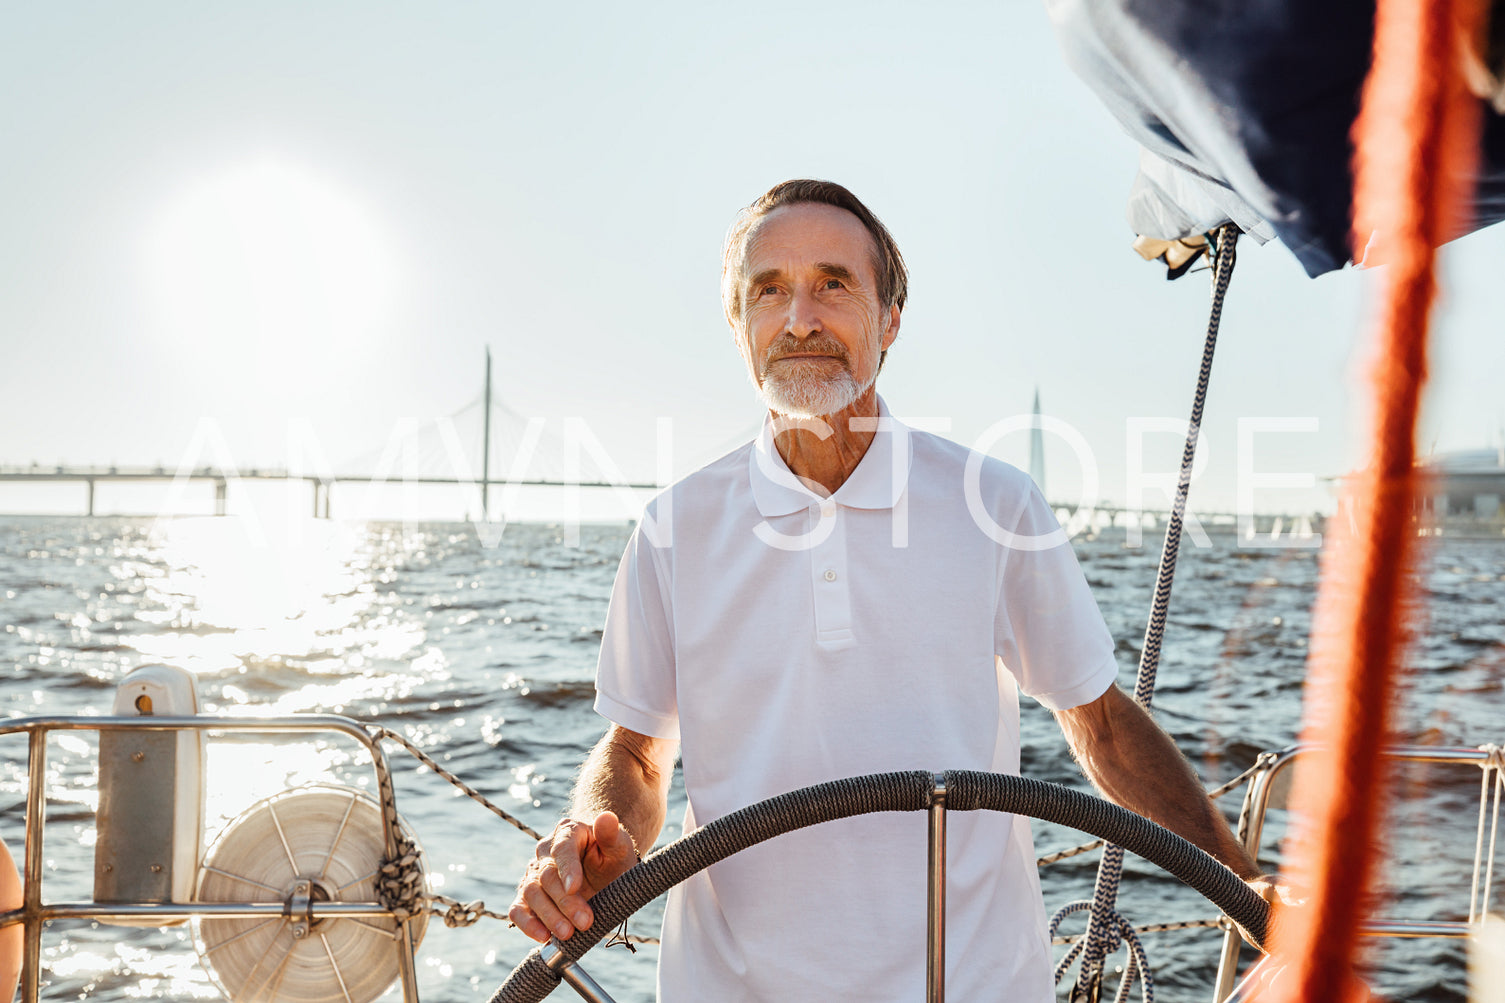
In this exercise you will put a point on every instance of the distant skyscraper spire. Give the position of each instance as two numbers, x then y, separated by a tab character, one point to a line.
1037	447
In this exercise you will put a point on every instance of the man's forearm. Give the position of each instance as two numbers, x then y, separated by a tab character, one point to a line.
627	774
1134	763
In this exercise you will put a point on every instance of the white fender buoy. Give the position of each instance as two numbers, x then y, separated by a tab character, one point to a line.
320	844
151	796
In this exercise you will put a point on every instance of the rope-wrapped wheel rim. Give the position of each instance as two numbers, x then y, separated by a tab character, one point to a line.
966	790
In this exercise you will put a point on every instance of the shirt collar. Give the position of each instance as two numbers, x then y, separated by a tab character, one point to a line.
877	483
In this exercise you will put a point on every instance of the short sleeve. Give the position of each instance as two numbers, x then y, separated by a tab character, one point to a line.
635	676
1049	632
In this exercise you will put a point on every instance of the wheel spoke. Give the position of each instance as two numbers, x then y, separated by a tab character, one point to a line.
335	965
210	949
266	951
339	833
243	879
390	934
280	973
277	822
368	876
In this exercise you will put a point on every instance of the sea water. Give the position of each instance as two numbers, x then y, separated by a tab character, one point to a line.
482	651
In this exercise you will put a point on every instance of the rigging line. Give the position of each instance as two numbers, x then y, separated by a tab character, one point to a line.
1100	935
1064	965
1075	851
1214	794
1063	940
474	403
380	733
1138	965
408	896
1149	660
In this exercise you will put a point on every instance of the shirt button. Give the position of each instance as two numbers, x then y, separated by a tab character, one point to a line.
827	510
830	575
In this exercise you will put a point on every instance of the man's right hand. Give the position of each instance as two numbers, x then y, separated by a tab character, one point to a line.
570	865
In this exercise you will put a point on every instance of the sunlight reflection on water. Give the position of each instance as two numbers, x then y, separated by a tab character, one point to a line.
483	656
227	591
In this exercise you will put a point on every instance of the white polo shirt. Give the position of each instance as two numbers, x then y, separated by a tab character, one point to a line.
787	640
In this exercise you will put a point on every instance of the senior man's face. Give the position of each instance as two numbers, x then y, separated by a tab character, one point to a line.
812	326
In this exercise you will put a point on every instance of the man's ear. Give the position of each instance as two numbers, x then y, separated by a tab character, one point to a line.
891	331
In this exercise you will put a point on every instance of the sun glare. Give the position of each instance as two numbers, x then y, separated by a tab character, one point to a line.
273	258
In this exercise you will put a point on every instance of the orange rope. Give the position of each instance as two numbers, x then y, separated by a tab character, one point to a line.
1415	140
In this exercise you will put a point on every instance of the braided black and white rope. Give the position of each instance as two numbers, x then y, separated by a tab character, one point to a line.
1139	963
1207	923
1101	924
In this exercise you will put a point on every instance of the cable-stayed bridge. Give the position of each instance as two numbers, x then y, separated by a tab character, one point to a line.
485	447
491	452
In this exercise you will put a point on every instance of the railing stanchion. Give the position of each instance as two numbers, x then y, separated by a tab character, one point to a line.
36	819
935	955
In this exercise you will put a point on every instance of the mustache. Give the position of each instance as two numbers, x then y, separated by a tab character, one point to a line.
812	344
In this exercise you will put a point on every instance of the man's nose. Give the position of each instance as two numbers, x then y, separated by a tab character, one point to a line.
804	315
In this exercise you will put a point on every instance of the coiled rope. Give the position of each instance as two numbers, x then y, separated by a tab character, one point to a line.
1104	920
400	885
1138	964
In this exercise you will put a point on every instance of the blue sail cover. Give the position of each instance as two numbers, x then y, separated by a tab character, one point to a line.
1244	109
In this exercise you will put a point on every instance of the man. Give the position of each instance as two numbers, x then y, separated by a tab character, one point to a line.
843	596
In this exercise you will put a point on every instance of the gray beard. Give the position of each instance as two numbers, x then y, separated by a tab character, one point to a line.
809	395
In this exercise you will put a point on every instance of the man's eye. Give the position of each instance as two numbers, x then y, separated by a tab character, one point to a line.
768	290
834	284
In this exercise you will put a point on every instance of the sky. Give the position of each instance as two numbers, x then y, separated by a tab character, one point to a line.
263	231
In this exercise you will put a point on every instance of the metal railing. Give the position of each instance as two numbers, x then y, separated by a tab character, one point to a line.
1272	765
35	911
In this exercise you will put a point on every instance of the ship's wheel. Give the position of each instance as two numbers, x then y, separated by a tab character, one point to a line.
955	790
